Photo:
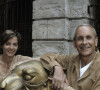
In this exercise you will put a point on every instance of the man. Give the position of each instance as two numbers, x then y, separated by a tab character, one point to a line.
82	69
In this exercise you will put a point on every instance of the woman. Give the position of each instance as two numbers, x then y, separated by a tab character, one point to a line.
8	60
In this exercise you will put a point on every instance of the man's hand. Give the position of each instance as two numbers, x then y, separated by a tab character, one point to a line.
64	85
59	78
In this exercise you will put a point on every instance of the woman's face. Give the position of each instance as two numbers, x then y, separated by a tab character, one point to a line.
10	47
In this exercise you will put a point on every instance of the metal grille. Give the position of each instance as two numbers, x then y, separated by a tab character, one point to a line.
17	14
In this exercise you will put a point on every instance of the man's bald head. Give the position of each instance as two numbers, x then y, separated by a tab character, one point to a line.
92	28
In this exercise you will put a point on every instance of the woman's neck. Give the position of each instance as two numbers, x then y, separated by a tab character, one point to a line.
6	59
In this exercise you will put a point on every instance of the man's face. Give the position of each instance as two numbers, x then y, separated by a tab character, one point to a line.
85	40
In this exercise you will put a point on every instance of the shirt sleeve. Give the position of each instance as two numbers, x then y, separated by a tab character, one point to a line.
51	60
96	85
19	59
23	59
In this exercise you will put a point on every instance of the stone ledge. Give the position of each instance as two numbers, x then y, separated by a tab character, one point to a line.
61	8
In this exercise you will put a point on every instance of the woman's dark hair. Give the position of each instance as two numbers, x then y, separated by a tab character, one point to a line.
8	34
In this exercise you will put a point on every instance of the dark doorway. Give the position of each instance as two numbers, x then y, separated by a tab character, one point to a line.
17	15
97	19
95	5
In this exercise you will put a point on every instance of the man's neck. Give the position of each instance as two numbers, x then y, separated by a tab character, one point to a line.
86	60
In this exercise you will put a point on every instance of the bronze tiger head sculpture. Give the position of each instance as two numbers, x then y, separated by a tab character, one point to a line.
29	75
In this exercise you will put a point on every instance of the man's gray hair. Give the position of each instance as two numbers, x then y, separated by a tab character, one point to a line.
85	25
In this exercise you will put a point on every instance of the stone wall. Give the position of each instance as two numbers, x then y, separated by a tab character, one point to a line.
54	24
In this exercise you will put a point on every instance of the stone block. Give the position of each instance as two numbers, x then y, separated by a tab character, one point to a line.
58	29
72	49
39	29
51	29
79	8
61	8
50	9
75	23
58	47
